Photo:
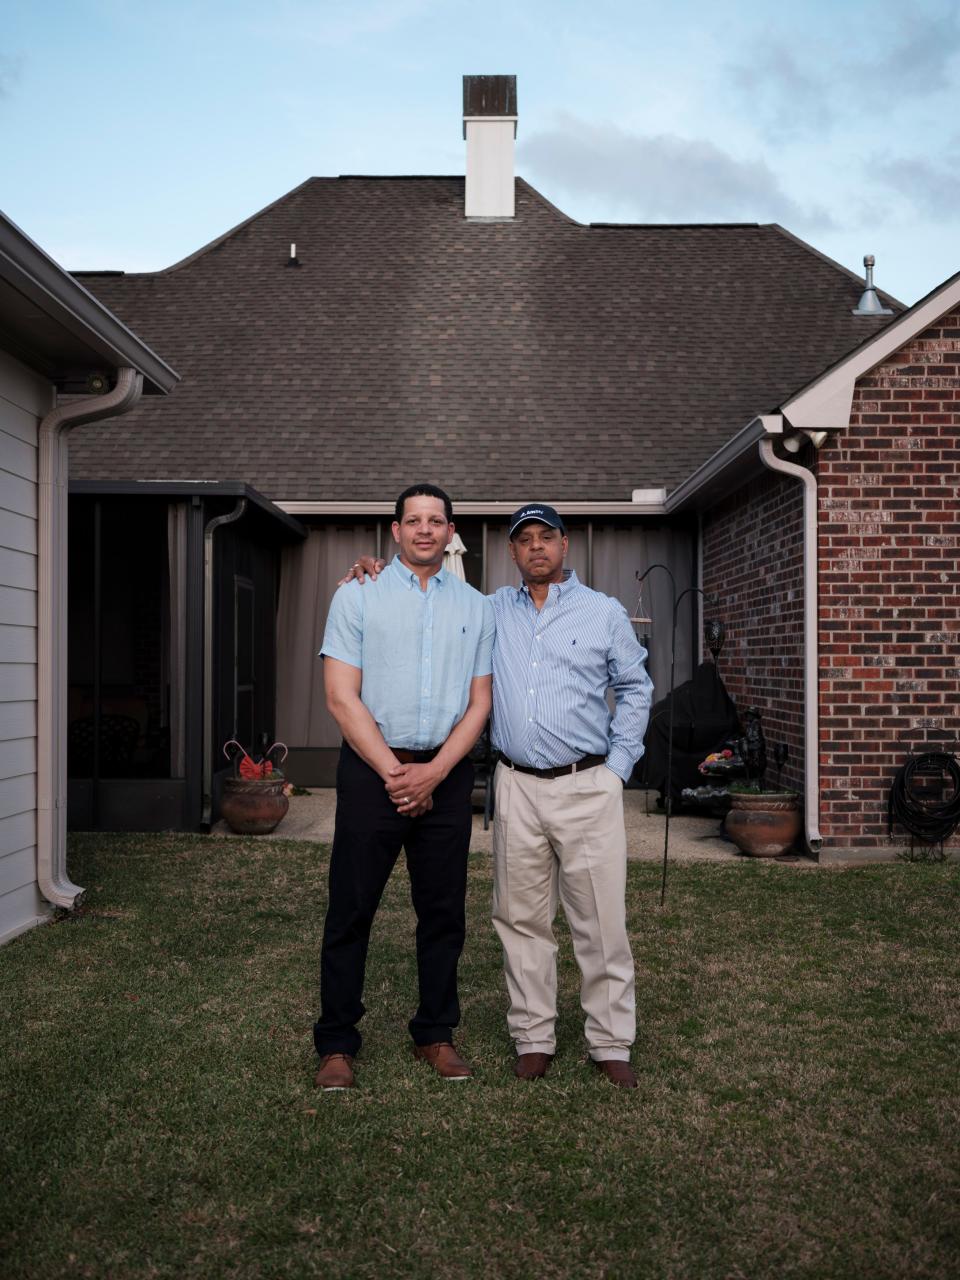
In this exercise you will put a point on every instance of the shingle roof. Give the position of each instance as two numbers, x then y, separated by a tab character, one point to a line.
533	356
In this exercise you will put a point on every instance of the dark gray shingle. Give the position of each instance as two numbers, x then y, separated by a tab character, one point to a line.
538	356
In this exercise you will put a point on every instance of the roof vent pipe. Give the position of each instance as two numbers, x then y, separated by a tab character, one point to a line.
490	128
870	304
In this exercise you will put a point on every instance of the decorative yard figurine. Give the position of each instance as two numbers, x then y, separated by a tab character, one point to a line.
752	748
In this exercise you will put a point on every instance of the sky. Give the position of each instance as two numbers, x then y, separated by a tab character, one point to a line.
132	132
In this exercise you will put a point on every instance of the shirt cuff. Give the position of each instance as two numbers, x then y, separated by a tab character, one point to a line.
621	763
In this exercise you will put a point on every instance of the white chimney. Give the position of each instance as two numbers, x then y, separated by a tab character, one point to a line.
490	127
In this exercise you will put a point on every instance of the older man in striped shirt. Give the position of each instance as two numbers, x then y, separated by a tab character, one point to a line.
558	825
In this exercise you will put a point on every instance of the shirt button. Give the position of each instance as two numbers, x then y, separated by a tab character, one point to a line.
531	691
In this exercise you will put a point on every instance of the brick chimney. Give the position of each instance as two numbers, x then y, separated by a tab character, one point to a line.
490	127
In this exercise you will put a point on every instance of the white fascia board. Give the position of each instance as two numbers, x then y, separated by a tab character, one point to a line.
501	510
824	404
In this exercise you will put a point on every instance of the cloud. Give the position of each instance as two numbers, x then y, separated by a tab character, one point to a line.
919	60
662	177
808	92
793	98
932	188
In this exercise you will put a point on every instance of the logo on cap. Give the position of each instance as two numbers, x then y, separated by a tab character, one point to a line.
536	511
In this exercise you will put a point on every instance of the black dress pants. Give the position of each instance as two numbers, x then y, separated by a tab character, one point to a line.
368	836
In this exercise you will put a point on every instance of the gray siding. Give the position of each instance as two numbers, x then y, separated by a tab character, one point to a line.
23	400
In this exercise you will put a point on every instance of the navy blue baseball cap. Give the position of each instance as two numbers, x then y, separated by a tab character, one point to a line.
538	511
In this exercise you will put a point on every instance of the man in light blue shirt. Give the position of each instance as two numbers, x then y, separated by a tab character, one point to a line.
407	664
558	831
558	825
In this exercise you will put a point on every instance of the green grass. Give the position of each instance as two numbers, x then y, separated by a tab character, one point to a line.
797	1116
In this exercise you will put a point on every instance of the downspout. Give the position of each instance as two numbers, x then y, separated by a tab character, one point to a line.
52	876
811	642
209	530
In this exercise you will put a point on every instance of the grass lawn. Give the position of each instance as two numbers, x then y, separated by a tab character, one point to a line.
798	1115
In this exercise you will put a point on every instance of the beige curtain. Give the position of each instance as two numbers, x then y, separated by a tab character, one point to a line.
499	569
619	552
309	574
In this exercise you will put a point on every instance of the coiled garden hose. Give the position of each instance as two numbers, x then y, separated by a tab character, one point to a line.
931	821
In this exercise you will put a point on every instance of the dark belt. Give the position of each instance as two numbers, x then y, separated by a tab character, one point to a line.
561	771
413	757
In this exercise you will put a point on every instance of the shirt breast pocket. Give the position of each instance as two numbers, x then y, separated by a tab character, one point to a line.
387	645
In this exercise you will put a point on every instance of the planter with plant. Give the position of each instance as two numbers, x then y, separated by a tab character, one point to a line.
255	798
763	822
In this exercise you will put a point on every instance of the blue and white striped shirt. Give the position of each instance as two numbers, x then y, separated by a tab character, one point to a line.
551	671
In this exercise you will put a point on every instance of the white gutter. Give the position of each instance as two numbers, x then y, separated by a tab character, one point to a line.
811	643
52	627
476	508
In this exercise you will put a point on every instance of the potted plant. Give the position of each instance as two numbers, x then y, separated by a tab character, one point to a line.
255	798
761	821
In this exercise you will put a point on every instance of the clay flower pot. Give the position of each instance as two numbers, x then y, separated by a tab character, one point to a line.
253	806
763	824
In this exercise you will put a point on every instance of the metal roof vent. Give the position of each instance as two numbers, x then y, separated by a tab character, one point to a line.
870	304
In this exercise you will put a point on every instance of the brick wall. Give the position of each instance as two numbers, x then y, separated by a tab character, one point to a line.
753	561
889	566
889	582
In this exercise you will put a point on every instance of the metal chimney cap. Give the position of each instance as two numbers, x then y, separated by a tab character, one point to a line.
489	95
870	304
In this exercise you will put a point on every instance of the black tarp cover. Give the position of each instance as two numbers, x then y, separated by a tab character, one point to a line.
704	717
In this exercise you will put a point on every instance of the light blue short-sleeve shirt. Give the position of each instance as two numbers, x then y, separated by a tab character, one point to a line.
418	650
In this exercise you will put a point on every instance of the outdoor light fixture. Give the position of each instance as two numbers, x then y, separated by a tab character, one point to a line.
676	599
714	636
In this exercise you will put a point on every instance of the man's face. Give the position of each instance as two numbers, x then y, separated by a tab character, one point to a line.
538	552
423	532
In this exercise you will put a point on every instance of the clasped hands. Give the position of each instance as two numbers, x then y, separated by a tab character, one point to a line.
411	786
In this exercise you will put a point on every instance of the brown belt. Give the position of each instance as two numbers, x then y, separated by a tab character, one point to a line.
413	757
561	771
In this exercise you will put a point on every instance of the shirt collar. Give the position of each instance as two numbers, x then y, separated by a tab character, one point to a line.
410	579
563	587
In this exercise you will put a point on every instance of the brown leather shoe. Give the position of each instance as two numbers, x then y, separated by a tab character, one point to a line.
532	1066
618	1073
444	1059
336	1072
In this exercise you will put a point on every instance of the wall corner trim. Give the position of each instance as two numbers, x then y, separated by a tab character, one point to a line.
52	487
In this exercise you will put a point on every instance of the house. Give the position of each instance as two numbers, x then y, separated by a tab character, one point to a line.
65	362
656	383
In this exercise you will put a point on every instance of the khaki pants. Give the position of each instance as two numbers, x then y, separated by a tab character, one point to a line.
563	838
